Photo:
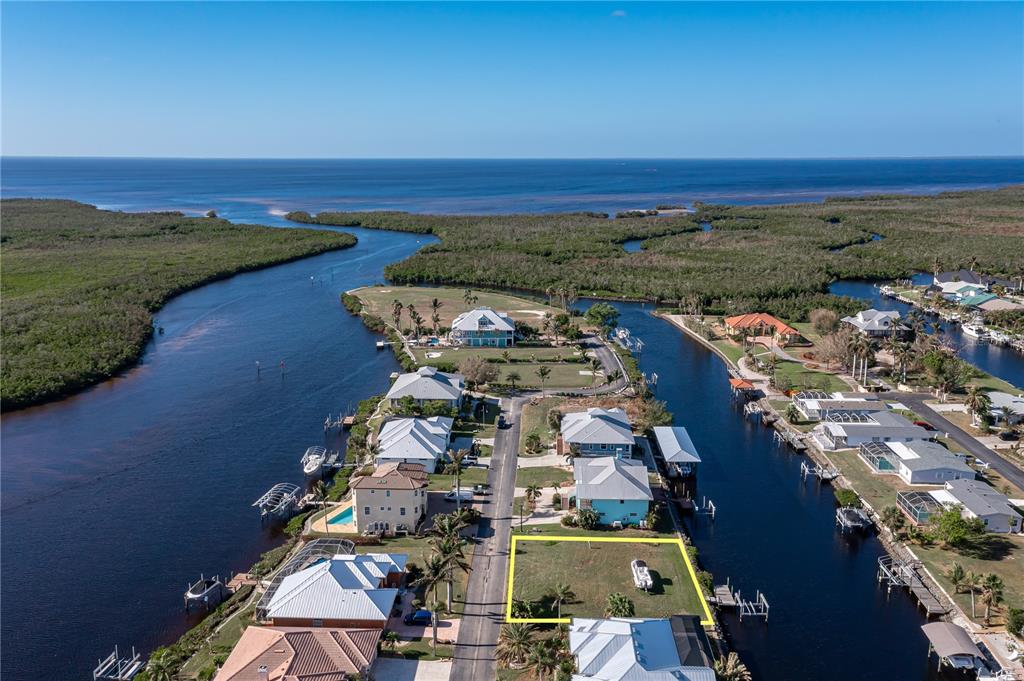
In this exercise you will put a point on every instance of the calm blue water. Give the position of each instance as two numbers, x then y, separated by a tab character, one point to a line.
256	189
114	499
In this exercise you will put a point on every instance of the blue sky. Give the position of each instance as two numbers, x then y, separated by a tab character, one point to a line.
513	80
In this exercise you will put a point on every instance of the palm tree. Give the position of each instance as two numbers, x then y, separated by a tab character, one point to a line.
595	365
957	577
972	583
515	641
448	525
450	550
396	313
547	323
506	356
543	660
389	640
532	494
892	519
319	491
731	669
572	453
613	377
978	403
619	605
562	594
542	373
513	377
160	667
991	593
457	457
901	356
435	610
433	574
435	307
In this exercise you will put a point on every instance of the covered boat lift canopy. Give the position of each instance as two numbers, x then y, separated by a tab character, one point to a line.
951	641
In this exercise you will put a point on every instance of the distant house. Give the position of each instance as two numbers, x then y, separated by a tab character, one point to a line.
853	430
953	282
483	328
414	440
301	654
427	384
877	323
996	304
597	432
1013	404
761	324
815	405
346	591
617	489
921	462
977	499
633	649
677	449
394	497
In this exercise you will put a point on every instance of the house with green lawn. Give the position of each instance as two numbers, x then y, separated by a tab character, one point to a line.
596	432
483	328
617	489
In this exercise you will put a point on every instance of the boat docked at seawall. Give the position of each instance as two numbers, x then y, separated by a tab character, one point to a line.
313	461
975	330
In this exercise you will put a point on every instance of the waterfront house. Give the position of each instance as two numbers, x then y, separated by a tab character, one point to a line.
815	405
301	654
677	449
1012	404
978	499
423	441
954	282
877	323
393	498
842	431
996	304
617	489
345	591
761	324
921	462
634	649
427	384
483	328
596	432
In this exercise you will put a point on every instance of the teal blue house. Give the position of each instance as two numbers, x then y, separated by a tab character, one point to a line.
617	489
483	328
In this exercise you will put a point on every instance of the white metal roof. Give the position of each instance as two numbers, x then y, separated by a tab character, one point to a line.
621	649
605	477
597	426
414	438
675	444
427	383
875	320
926	455
483	319
340	588
979	498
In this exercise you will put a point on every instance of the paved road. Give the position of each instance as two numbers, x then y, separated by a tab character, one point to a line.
485	595
1005	468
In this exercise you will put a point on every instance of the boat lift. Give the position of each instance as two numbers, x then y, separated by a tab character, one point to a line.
207	593
279	501
852	518
117	668
822	473
726	598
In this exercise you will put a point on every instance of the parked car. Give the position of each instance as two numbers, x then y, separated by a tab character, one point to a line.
463	493
982	464
1008	436
501	420
482	489
418	617
925	425
470	460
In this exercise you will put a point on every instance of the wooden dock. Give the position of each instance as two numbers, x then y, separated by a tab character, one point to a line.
898	573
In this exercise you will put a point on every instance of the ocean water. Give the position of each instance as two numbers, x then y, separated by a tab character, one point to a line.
263	190
114	499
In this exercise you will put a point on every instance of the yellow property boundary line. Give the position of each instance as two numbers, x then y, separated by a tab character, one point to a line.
706	621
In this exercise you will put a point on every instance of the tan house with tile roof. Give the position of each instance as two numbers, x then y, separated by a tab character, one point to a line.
301	654
393	497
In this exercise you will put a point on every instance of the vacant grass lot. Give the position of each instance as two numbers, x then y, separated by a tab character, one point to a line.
80	284
801	378
535	420
378	300
594	570
542	476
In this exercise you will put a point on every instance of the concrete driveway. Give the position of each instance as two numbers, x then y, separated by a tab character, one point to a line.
394	669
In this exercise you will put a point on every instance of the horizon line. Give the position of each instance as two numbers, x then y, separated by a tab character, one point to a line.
517	158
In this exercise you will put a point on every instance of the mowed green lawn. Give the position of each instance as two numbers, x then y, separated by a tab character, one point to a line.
597	569
378	300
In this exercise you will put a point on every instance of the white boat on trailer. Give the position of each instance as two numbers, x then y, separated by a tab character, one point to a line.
641	575
313	460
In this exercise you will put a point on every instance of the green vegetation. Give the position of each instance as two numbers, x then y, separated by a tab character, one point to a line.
542	476
541	565
80	284
778	259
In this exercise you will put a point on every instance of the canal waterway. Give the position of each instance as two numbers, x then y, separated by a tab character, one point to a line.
1001	361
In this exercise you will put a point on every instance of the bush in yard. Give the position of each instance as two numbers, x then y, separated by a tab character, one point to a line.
847	497
587	518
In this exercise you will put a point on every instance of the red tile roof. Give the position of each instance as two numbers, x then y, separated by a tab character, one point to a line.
760	319
393	475
301	654
741	384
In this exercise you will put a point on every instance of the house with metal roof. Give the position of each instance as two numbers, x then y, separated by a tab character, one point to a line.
977	499
632	649
677	449
301	654
921	462
427	384
345	591
617	489
483	328
1012	404
815	405
596	432
877	323
843	431
423	441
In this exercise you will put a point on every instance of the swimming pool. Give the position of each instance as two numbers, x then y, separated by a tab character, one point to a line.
342	518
